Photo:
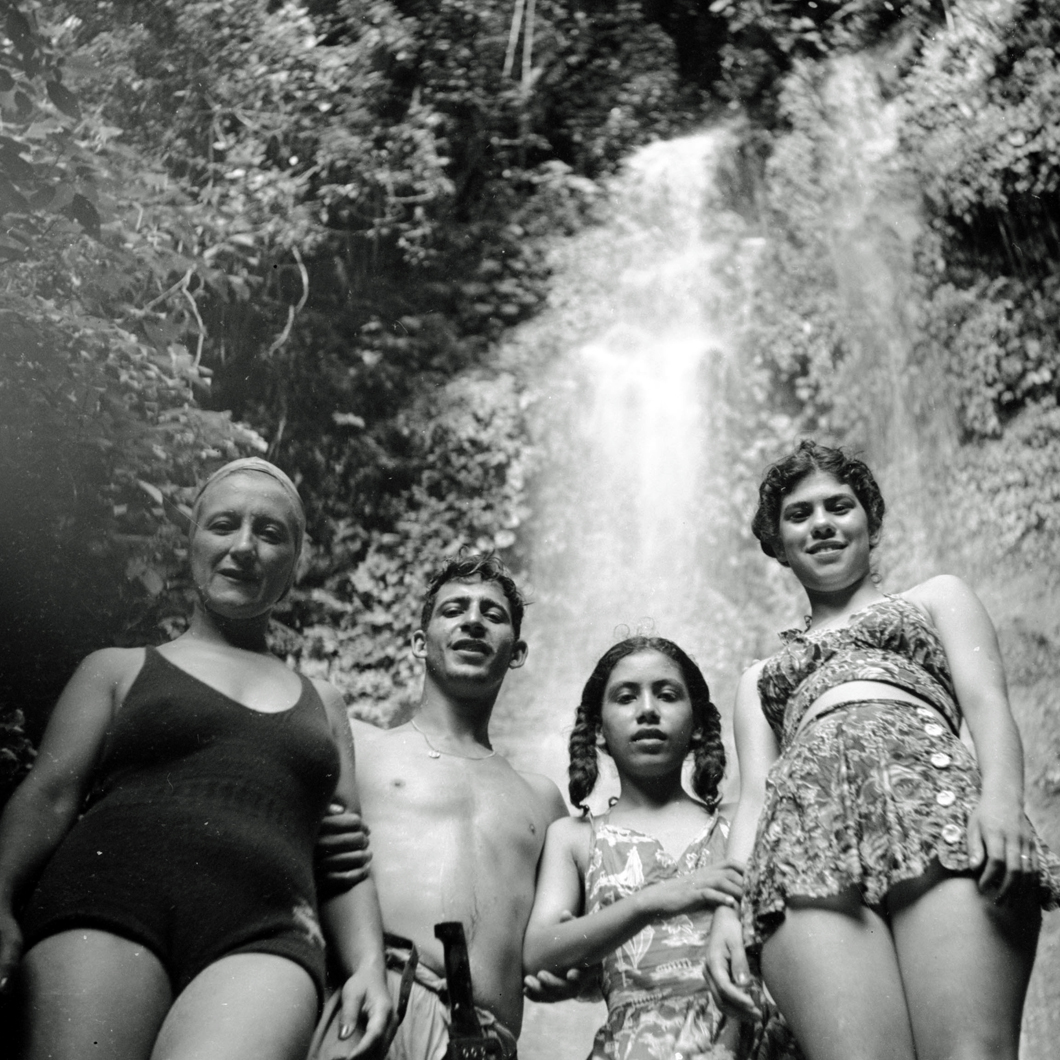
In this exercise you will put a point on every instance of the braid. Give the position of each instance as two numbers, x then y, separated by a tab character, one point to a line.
708	757
584	768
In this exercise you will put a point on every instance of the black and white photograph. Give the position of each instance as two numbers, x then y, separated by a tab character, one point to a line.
529	529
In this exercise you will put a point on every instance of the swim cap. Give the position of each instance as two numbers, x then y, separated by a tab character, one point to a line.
261	467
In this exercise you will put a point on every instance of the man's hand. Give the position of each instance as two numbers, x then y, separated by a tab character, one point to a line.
342	855
581	984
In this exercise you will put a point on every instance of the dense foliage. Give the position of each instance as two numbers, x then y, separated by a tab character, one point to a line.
301	228
294	228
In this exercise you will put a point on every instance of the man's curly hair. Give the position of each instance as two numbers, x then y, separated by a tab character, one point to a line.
708	763
783	476
487	567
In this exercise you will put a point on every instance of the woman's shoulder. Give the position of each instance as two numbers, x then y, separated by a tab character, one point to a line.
751	675
940	591
116	667
334	706
103	677
747	686
331	697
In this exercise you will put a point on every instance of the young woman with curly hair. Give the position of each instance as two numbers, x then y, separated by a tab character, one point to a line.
893	885
636	887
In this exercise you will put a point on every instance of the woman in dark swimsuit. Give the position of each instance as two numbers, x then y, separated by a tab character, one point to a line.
176	916
894	886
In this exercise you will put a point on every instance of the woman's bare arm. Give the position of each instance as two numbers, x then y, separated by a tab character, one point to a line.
756	749
46	804
353	924
999	835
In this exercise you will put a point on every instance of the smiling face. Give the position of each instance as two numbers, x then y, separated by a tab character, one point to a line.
824	533
647	717
469	643
243	546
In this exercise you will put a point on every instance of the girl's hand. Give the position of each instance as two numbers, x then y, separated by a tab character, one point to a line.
10	948
1000	840
366	1001
720	884
728	974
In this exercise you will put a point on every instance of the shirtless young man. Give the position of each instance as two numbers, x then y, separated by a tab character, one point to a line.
456	832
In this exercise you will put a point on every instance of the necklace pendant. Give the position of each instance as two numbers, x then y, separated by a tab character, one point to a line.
432	753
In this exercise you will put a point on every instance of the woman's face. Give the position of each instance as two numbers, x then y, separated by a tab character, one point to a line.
646	715
243	545
824	533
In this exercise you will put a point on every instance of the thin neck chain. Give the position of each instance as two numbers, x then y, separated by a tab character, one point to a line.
436	752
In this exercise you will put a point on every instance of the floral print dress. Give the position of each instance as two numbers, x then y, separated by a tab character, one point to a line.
658	1004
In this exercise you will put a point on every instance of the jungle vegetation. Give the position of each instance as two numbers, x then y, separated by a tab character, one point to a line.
302	229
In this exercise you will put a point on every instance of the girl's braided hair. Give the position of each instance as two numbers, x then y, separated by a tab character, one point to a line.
708	763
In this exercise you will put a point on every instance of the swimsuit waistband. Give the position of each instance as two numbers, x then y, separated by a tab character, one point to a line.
880	701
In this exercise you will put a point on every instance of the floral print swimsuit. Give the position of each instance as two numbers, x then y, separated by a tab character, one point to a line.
868	792
658	1005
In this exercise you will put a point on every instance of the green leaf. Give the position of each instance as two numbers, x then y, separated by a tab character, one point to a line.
84	213
15	166
10	250
64	100
10	197
19	31
42	199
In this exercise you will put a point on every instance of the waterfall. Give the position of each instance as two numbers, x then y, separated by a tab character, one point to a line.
633	515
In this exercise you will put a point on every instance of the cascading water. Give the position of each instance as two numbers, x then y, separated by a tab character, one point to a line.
633	513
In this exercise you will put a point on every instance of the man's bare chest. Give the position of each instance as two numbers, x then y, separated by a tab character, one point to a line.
487	806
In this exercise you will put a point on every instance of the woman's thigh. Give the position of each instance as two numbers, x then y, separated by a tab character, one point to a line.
249	1006
966	963
88	993
831	966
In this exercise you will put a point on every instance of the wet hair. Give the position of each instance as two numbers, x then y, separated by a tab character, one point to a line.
487	567
708	763
783	476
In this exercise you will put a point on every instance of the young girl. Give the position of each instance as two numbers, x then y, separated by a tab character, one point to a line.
645	877
894	884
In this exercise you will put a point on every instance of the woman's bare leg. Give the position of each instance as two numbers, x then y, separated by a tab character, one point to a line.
966	963
249	1006
88	993
831	966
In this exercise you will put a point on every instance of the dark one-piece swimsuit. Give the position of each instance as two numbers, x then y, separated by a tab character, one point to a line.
198	838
